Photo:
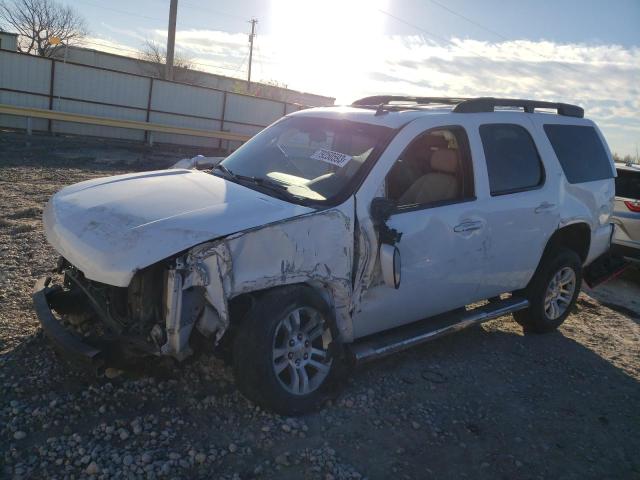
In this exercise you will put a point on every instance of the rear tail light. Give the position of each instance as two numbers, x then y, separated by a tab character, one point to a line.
633	205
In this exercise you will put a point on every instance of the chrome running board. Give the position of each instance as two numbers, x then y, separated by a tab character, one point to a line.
407	336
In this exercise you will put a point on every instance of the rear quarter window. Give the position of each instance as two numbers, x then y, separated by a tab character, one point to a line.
628	184
580	152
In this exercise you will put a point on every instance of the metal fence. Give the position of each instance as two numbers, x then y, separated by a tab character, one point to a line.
30	81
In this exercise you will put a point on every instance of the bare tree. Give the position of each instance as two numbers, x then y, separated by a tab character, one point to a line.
38	21
274	83
626	159
155	53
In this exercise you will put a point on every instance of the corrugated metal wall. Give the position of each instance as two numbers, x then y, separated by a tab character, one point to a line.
25	84
89	57
31	81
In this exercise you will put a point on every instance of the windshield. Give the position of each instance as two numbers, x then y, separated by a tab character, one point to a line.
305	158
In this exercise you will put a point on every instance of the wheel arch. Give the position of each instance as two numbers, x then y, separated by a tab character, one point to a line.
575	236
239	305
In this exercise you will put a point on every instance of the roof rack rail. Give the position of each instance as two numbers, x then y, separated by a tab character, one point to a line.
387	99
469	105
488	104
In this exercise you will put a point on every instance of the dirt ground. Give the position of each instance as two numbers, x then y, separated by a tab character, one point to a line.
488	402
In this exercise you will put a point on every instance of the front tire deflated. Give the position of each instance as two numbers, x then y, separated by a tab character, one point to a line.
286	356
552	292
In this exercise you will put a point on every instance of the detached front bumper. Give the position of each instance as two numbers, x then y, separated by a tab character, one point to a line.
66	342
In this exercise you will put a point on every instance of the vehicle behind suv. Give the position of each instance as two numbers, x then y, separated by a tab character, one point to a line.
335	236
626	217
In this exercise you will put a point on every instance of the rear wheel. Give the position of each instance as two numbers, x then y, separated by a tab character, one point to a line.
552	292
285	353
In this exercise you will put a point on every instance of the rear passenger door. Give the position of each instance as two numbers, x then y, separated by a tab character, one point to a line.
520	202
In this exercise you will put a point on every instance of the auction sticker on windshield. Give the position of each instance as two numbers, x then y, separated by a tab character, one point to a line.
334	158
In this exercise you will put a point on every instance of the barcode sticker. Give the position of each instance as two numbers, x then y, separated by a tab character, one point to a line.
334	158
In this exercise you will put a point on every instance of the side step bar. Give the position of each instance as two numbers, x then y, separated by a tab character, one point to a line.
383	344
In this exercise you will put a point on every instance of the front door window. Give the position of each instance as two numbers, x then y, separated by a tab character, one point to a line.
434	170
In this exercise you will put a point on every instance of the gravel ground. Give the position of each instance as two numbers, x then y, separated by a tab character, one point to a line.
485	403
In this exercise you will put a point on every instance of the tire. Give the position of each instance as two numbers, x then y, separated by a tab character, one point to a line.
269	343
561	265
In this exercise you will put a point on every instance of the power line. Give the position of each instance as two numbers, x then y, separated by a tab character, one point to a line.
200	8
129	13
431	34
446	40
122	12
244	59
125	49
258	59
497	34
217	12
453	12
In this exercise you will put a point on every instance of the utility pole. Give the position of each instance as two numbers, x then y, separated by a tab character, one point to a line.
253	22
171	40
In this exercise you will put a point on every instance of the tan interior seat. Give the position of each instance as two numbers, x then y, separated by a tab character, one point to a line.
440	184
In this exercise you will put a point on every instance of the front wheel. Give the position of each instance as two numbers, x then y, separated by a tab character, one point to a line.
285	353
552	292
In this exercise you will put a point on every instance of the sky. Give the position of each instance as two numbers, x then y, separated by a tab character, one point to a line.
585	52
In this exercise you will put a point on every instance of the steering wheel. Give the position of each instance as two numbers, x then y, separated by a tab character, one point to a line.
286	158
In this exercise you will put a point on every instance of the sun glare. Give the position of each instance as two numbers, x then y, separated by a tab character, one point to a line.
329	42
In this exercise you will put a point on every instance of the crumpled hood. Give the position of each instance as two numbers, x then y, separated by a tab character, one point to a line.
111	227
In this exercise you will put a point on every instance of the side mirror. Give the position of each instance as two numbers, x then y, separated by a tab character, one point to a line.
381	209
390	264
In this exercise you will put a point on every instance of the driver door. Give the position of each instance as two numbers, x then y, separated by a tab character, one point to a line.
444	234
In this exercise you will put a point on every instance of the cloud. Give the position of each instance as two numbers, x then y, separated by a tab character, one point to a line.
602	78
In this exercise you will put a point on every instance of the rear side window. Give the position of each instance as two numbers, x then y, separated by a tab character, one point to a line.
628	184
512	159
580	152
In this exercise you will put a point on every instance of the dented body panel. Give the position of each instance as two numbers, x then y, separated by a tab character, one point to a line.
315	249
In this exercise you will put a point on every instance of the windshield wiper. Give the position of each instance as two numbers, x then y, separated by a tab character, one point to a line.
224	169
276	187
263	182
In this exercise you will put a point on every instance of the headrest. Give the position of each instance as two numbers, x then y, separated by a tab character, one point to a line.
444	160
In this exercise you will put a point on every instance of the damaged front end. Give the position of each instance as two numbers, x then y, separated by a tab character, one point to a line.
194	296
155	315
194	292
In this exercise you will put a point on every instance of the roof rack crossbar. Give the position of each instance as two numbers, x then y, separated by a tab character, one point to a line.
468	105
489	104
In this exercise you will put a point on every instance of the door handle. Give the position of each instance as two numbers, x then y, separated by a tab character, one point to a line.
467	227
544	206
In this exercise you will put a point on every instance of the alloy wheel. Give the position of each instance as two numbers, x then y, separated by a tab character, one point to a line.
300	357
559	293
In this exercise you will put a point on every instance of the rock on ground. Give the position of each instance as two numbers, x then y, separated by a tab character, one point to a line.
489	402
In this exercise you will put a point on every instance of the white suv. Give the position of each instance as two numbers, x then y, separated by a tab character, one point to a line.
335	234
